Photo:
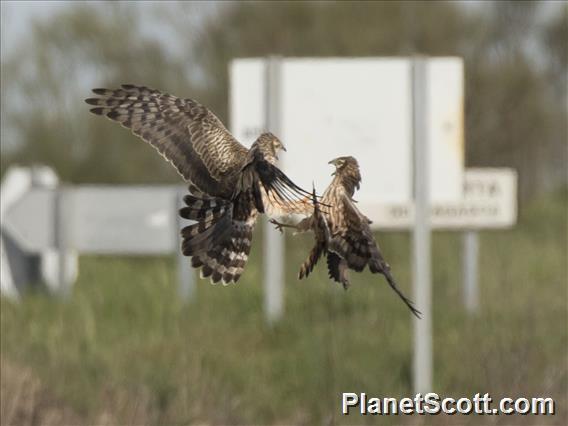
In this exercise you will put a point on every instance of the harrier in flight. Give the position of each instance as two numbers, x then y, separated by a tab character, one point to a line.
342	232
229	183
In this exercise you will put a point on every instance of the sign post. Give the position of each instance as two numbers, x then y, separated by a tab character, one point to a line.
470	253
186	277
61	237
421	232
273	241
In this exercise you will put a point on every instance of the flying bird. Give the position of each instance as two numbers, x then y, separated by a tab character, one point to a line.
342	232
229	184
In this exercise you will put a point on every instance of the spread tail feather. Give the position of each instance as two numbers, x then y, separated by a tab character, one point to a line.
377	266
309	264
212	228
218	244
337	269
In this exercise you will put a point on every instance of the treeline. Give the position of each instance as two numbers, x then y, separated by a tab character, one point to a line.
515	53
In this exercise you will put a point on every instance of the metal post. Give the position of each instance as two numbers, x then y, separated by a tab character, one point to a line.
470	252
7	286
61	228
421	236
273	242
186	276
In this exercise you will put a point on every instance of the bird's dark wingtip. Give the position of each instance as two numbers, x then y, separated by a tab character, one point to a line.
97	111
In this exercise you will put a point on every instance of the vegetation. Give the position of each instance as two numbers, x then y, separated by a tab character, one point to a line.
124	348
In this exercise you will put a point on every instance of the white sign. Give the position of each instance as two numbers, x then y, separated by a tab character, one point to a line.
489	201
360	107
99	219
137	220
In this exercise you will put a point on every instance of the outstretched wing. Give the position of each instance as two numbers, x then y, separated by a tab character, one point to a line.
274	206
185	132
273	191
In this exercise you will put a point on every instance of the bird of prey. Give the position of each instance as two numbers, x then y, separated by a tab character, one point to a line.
342	232
229	183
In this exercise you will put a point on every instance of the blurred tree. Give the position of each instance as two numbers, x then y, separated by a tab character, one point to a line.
46	78
324	29
554	38
514	116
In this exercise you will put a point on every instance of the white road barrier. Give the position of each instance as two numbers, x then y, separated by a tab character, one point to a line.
59	223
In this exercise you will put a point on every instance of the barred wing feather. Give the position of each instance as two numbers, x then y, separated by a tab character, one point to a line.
185	132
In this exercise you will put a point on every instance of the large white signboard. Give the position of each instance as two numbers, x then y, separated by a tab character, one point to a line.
359	107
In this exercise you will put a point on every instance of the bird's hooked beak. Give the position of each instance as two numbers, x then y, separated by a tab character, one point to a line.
283	148
333	163
276	151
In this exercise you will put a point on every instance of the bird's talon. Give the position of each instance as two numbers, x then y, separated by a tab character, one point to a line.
278	225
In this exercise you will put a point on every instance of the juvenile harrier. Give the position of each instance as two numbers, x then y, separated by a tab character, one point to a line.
229	183
342	232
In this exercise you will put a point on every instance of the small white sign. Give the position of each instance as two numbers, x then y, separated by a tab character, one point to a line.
489	201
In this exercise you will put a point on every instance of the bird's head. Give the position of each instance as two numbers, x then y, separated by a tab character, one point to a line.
270	146
344	164
347	170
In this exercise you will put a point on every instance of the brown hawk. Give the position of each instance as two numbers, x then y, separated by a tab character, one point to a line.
342	232
229	183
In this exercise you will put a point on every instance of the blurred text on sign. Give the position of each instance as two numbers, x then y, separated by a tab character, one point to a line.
489	201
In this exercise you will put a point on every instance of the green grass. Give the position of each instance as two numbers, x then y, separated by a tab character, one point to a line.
124	343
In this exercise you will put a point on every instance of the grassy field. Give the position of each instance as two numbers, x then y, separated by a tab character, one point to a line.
125	350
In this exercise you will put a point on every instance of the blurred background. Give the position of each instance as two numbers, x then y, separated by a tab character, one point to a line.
125	350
